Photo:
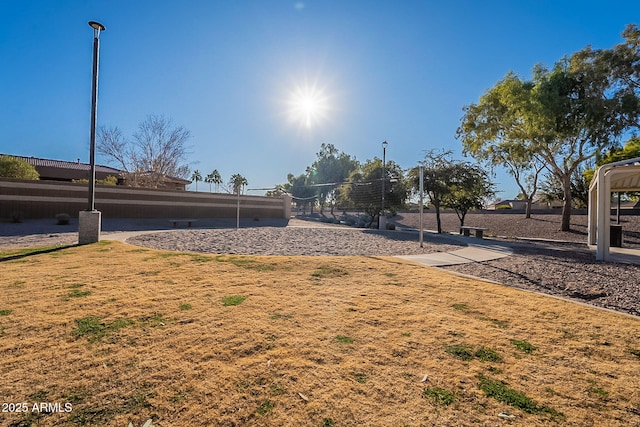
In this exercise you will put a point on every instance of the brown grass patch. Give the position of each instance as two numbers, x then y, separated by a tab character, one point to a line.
315	341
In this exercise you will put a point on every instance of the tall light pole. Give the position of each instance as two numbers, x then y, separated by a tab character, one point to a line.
383	222
97	27
89	220
421	238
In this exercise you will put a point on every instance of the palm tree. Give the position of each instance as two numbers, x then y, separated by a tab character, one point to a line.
237	181
214	178
196	176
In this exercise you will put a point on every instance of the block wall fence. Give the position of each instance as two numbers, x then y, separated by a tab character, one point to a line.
45	199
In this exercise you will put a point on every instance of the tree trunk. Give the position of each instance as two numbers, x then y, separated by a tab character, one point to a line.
566	206
461	218
373	219
528	209
461	215
438	222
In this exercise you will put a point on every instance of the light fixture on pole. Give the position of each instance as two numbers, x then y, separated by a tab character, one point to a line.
89	220
383	219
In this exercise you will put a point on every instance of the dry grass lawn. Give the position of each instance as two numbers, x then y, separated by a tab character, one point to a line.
126	334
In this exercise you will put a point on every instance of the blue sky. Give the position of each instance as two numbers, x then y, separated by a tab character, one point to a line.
228	71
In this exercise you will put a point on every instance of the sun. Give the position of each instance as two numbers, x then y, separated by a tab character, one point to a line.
308	106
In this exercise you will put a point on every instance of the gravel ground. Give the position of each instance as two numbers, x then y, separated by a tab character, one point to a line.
512	225
566	268
561	265
44	232
293	241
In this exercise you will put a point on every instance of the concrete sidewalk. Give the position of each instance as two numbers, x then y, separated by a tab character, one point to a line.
475	250
472	253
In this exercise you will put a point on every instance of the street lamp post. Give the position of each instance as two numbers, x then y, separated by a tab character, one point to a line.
421	238
383	219
97	27
89	220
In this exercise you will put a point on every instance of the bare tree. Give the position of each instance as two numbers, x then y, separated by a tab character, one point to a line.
113	145
156	150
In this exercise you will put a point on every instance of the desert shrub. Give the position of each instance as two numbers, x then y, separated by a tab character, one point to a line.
109	180
13	167
16	216
63	218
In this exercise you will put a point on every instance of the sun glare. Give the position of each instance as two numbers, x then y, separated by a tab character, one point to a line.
308	106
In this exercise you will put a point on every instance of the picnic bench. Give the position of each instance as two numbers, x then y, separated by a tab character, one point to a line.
479	231
176	222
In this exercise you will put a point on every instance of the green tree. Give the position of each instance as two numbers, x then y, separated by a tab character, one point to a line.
469	188
13	167
303	193
196	176
237	183
437	177
363	189
566	115
580	187
509	148
277	191
630	150
623	63
461	186
331	168
551	190
214	178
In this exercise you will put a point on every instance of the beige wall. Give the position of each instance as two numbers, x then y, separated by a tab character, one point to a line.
45	199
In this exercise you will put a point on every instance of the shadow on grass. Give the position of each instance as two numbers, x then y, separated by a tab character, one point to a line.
14	254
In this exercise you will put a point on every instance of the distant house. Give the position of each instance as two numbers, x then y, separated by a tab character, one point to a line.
508	204
521	205
60	170
547	204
